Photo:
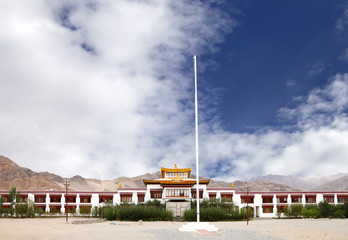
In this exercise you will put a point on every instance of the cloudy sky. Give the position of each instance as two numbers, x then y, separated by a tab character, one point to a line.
104	88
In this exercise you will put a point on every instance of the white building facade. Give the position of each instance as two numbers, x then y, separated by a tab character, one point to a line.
176	190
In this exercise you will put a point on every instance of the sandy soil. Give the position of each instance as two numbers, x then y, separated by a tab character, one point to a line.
57	228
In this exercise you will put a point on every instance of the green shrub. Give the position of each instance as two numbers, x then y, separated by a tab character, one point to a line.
109	212
24	210
212	214
54	211
85	210
311	211
344	208
39	211
96	212
293	211
325	209
338	213
144	212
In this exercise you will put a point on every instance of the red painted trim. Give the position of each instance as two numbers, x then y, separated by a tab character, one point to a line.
177	186
126	194
245	196
267	206
282	204
136	189
222	188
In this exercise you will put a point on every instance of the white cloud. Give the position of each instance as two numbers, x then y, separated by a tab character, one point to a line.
102	91
96	88
316	69
290	83
317	143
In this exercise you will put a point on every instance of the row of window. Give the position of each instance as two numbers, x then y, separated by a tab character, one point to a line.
174	174
177	192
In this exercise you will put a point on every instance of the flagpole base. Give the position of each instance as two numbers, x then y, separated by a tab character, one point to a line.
194	226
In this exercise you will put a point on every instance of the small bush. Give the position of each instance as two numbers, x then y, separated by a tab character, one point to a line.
311	211
143	212
212	214
96	212
85	210
39	211
293	211
109	212
325	209
344	208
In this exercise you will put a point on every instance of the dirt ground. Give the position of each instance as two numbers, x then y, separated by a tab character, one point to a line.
77	228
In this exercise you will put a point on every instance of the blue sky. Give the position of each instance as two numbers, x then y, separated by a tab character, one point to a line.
105	88
280	50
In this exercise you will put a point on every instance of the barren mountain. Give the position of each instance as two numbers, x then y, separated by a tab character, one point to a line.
23	178
313	182
12	175
339	184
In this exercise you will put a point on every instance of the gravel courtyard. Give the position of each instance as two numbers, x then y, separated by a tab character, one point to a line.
77	228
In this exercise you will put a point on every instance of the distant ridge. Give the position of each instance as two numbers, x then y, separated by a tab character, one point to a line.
13	175
313	182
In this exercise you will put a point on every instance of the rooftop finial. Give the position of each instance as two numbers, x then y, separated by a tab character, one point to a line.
175	166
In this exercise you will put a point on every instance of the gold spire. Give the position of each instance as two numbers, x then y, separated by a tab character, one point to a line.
175	166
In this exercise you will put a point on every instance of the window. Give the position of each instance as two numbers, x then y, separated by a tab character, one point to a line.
141	197
55	199
40	199
342	199
70	209
194	195
6	198
70	199
280	209
311	199
267	209
267	199
296	199
282	199
85	199
156	194
126	198
23	199
177	192
212	196
226	197
250	198
54	209
105	199
174	174
329	199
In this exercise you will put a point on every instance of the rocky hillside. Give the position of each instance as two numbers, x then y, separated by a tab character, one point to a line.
23	178
313	182
339	184
12	175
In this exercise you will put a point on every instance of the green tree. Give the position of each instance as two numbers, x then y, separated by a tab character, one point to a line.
12	198
325	209
2	200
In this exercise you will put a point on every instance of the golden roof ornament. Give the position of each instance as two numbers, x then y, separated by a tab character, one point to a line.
120	185
175	166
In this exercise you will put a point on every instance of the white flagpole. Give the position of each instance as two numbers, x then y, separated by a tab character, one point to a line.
196	123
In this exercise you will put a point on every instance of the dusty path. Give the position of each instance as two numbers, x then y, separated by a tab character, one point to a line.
58	229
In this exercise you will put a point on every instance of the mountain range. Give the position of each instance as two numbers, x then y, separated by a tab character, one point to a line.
13	175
